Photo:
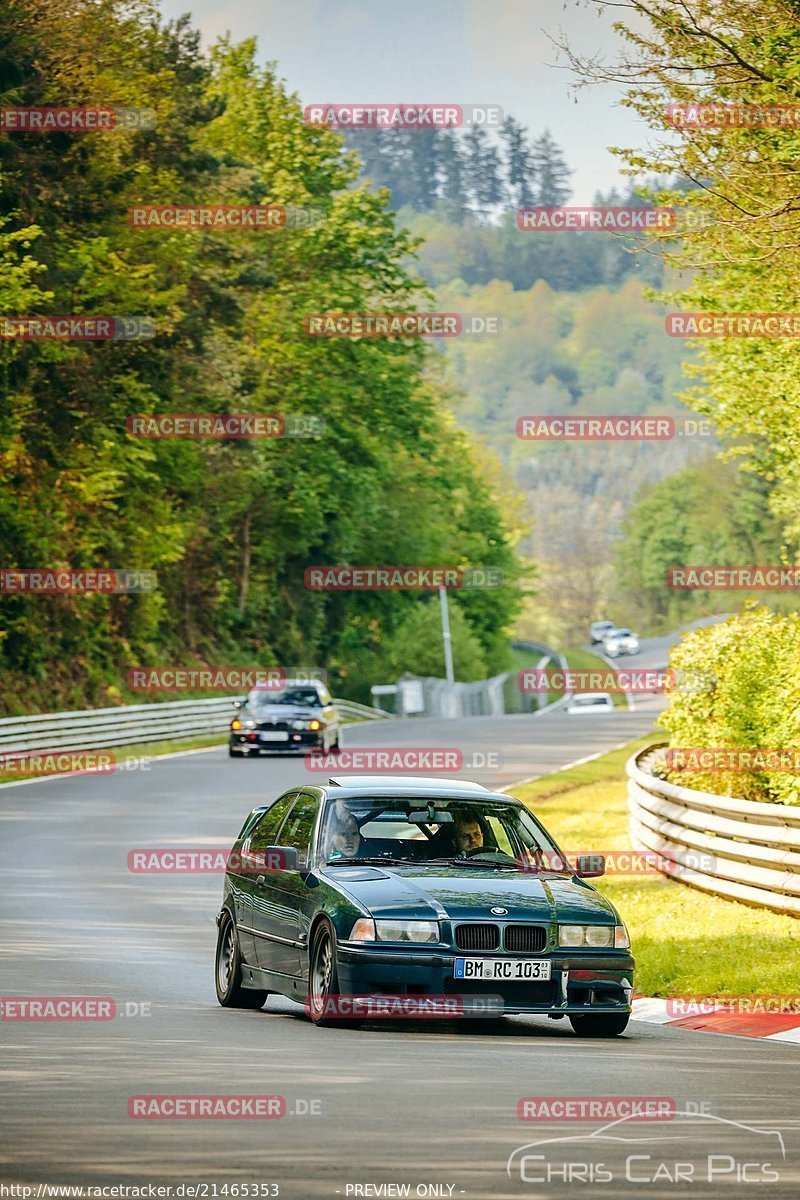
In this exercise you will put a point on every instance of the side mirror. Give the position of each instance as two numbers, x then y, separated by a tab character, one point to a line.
280	858
588	866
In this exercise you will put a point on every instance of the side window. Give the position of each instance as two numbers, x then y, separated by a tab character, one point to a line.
300	826
270	823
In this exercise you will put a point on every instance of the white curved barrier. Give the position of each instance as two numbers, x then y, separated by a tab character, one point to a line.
740	849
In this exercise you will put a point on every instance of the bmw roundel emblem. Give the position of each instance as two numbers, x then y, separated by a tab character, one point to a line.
498	912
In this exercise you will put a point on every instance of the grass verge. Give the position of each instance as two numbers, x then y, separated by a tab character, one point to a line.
138	750
684	941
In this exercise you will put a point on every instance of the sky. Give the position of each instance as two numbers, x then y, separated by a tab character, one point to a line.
455	51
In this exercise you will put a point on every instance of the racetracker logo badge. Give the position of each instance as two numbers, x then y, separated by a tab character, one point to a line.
734	579
206	1108
215	679
394	115
552	679
622	219
738	116
57	1008
58	762
75	120
197	425
700	324
76	329
721	759
403	1007
399	579
59	581
596	1108
595	429
389	759
187	860
212	216
398	325
767	1003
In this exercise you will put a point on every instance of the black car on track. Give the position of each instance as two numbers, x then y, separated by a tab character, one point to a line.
297	717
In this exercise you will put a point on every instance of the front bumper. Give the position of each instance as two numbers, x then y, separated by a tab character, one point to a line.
580	982
299	741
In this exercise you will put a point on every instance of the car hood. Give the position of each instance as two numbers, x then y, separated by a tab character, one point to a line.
469	894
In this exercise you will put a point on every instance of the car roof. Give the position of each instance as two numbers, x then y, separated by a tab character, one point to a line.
410	786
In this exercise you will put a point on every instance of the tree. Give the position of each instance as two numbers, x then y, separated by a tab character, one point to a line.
549	171
519	163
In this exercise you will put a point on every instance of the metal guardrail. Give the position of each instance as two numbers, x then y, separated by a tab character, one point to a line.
351	711
96	728
741	849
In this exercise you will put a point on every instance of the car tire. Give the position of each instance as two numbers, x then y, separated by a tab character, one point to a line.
235	753
323	979
599	1024
228	970
335	748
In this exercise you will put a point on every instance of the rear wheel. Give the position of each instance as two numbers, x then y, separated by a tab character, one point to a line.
228	970
599	1024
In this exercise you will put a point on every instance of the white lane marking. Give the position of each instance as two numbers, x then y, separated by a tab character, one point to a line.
652	1010
577	763
788	1035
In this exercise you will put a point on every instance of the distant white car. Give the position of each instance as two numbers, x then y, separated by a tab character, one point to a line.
620	641
590	702
600	629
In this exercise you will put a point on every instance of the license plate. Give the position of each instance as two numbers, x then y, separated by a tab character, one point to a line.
502	968
279	736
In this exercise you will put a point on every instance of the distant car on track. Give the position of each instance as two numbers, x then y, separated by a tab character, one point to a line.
620	641
590	702
599	629
385	885
300	716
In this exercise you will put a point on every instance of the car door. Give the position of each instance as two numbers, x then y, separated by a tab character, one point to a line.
278	900
252	854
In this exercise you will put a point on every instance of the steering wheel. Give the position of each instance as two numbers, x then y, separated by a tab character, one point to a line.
488	850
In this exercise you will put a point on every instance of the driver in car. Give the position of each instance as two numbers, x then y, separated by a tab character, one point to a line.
467	833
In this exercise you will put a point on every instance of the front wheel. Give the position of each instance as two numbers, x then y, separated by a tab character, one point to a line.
324	1002
600	1024
228	970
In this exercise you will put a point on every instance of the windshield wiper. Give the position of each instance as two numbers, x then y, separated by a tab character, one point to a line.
370	861
486	862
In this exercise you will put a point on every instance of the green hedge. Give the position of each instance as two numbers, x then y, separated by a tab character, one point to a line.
738	686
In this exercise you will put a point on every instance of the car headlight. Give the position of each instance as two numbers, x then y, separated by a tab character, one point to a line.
587	935
236	723
363	930
622	939
315	725
407	931
249	724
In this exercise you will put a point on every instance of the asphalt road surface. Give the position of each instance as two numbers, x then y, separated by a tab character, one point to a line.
433	1106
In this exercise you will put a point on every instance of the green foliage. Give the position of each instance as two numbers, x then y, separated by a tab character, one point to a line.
738	686
707	515
228	525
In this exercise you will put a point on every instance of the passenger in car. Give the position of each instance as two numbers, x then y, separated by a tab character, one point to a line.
344	838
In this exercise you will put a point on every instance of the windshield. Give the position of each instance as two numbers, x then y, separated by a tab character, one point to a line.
305	696
427	830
